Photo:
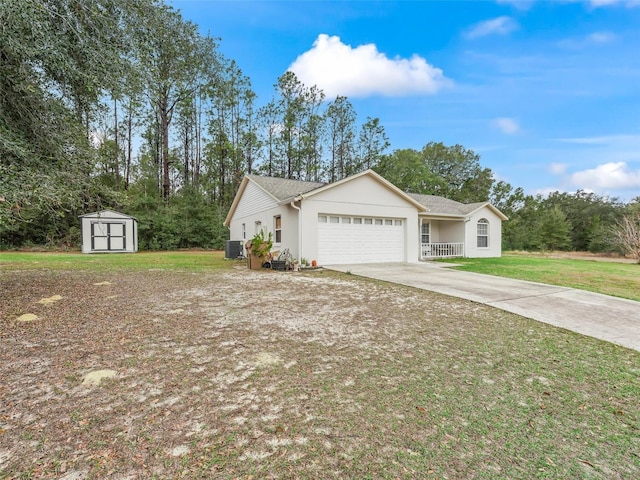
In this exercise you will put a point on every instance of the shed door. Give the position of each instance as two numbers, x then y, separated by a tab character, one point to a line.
108	236
343	240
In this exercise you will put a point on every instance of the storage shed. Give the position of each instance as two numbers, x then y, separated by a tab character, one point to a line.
107	231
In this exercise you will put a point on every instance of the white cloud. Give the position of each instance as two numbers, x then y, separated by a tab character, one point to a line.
558	168
594	4
546	191
612	175
607	3
601	37
588	41
340	69
623	139
507	125
496	26
603	3
519	4
527	4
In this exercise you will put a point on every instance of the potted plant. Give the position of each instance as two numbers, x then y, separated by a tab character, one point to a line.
258	248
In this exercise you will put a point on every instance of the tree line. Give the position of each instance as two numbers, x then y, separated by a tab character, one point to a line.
580	221
124	104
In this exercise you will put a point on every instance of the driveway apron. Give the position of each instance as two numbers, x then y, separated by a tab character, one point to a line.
612	319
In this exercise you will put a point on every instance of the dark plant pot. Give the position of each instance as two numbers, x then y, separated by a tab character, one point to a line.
279	265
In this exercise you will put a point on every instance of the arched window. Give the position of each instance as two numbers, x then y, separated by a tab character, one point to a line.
483	233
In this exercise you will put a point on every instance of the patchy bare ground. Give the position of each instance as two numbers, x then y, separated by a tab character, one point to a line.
242	374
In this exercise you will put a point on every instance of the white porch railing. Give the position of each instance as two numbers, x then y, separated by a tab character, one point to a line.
442	250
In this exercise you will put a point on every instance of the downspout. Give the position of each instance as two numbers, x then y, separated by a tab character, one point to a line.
293	205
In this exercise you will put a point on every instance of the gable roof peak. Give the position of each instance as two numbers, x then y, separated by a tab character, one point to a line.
376	177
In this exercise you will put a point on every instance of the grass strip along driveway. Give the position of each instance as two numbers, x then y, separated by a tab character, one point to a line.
610	278
223	372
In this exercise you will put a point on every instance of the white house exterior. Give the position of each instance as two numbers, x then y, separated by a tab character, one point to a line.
454	229
361	219
109	232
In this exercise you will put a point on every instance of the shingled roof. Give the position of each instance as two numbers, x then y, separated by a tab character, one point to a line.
283	188
445	206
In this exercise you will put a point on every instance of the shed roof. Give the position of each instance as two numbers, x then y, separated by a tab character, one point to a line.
107	214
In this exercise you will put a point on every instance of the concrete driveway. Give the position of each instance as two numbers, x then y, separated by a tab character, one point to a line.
608	318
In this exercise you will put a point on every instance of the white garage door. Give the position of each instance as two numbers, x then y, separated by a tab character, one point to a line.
360	240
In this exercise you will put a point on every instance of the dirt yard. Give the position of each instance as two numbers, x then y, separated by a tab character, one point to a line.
241	374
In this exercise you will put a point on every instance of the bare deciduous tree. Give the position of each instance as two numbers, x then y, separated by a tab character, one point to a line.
626	235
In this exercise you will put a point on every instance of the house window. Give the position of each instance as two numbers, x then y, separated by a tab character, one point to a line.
483	233
388	221
277	228
378	221
425	232
322	219
244	231
258	227
357	221
346	220
334	219
368	221
397	223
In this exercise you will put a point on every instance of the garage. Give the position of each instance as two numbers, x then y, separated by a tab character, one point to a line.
356	239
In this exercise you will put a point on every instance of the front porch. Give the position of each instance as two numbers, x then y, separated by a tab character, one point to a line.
441	238
441	250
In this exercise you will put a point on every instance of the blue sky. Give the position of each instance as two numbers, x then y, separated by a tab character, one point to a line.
548	93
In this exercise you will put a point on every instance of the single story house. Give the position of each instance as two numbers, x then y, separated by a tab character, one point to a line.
362	219
107	231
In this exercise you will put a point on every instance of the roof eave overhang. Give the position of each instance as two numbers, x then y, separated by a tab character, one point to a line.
287	201
99	215
442	216
236	200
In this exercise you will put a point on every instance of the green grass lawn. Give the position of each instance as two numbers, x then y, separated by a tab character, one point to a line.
175	260
610	278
